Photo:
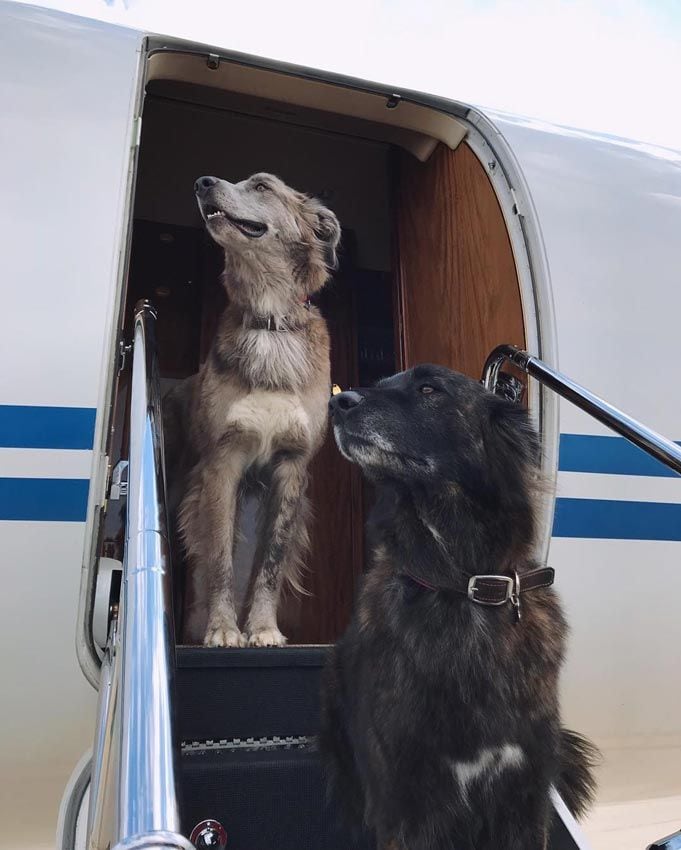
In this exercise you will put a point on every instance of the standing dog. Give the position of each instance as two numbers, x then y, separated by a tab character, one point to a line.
256	412
441	718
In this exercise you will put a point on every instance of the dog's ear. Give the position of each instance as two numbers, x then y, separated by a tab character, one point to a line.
511	424
513	459
326	233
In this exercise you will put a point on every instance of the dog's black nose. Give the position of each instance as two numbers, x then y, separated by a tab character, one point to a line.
204	183
344	401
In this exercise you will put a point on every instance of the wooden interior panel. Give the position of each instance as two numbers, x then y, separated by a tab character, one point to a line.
335	491
458	287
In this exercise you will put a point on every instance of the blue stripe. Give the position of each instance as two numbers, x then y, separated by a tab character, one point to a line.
615	520
26	427
608	455
44	499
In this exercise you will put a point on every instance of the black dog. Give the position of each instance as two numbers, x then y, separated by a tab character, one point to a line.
441	718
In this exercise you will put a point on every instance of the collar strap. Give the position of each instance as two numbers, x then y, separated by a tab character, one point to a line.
268	323
495	589
273	323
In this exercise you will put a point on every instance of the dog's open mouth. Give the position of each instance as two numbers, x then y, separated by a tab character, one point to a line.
252	229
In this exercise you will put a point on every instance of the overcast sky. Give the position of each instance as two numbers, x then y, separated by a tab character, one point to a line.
610	66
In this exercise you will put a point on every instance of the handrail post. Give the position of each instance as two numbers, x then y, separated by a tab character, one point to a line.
640	435
493	364
147	814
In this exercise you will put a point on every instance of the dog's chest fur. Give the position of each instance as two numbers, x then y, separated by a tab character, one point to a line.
272	419
284	358
464	647
272	359
464	701
270	387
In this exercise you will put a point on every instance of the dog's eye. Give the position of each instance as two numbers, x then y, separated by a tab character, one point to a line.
426	389
261	187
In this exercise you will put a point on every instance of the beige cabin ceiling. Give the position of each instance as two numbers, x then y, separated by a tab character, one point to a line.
411	126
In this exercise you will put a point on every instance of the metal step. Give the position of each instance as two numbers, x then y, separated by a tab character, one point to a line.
247	693
248	720
266	800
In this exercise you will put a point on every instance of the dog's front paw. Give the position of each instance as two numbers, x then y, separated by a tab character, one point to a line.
224	636
266	637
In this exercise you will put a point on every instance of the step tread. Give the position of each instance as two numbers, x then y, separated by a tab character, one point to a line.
265	800
260	657
242	693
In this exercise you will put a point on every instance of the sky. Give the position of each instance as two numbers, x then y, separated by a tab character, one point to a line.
609	66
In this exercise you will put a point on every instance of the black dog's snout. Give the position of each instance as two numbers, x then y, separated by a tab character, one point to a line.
344	401
204	183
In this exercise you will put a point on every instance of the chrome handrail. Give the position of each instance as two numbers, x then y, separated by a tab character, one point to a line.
645	438
148	814
143	662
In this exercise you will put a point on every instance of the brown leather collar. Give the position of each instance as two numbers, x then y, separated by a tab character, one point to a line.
268	323
495	589
273	323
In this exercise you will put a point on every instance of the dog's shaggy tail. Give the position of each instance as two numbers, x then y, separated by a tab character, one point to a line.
576	782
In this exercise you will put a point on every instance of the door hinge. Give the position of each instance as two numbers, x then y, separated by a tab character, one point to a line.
124	349
119	481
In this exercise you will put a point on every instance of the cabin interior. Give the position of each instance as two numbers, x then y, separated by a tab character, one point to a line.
426	270
426	274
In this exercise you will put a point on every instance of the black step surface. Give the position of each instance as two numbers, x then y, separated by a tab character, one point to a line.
247	693
265	800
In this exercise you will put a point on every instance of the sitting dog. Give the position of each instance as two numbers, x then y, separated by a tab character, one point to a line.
256	412
441	722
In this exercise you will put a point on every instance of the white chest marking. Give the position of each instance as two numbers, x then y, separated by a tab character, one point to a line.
491	761
270	415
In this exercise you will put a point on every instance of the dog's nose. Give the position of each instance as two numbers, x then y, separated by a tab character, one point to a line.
344	401
203	184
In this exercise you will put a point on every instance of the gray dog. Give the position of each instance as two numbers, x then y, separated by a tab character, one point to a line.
255	414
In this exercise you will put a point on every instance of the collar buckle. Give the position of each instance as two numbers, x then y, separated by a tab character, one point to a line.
473	589
264	323
515	596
